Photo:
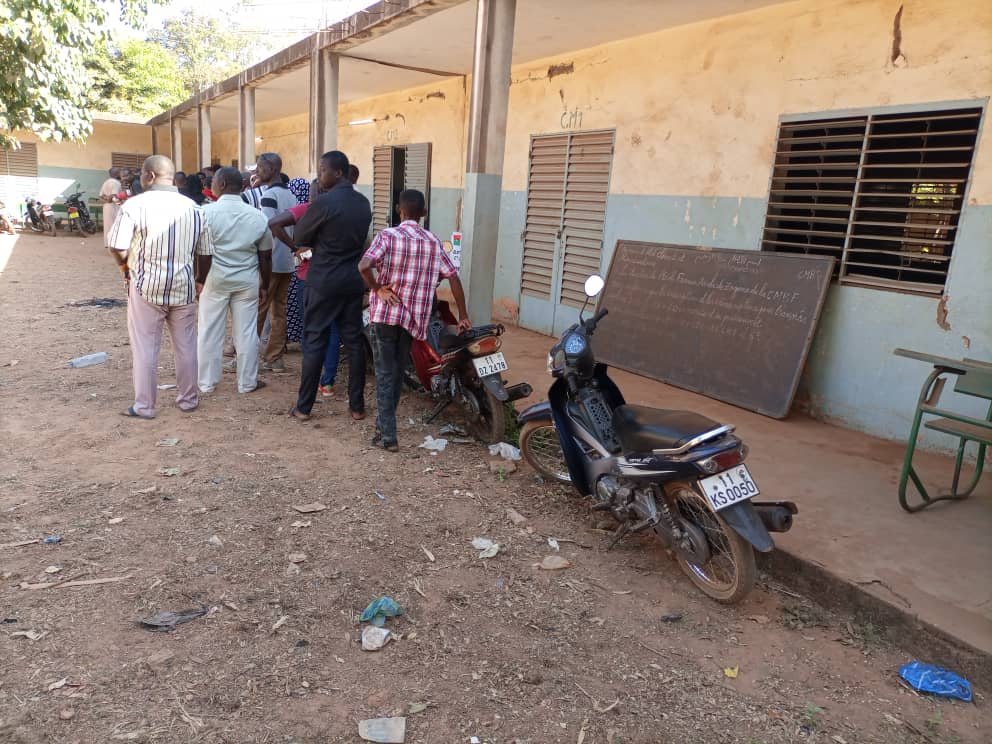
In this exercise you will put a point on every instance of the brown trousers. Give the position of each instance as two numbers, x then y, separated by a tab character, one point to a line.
276	301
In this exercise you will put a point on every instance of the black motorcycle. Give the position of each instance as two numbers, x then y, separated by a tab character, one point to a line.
677	473
79	214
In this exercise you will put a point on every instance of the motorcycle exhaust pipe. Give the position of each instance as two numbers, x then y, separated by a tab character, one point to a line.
776	517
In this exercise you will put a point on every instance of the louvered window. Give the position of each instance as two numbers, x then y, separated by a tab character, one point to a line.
395	169
880	193
130	160
18	174
568	184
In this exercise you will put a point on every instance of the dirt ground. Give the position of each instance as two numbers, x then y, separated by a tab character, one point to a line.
493	648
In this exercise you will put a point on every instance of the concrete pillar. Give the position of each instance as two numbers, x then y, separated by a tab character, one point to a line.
203	135
177	143
486	146
154	140
325	71
246	126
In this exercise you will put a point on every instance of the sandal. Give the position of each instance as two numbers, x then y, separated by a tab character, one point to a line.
130	413
357	415
259	384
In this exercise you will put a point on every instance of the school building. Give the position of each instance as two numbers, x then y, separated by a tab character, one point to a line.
546	130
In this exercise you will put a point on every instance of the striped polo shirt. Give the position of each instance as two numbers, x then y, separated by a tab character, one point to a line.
159	230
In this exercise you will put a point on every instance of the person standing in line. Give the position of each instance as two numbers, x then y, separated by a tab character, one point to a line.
233	269
133	184
334	227
300	188
409	262
153	240
108	195
276	198
194	188
181	183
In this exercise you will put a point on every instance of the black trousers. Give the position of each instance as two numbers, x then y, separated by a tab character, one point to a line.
391	348
323	309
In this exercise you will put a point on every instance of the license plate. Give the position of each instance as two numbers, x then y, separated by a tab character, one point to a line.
490	365
73	214
729	487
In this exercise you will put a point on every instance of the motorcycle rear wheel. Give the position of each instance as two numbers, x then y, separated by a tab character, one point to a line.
48	226
541	448
729	575
90	228
489	426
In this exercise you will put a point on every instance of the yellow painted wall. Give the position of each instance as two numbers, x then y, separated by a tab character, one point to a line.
432	113
289	137
696	108
93	154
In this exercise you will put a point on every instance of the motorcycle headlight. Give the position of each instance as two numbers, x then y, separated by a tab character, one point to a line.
551	363
574	344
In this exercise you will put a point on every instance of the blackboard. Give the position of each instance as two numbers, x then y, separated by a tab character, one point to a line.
733	325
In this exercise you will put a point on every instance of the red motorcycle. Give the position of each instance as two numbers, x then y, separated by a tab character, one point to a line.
464	368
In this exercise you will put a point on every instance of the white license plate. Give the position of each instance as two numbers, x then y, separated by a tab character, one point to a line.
729	487
490	365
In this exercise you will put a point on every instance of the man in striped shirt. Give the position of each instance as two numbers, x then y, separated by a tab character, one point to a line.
154	240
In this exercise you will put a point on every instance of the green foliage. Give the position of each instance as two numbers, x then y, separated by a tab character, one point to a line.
205	49
43	45
137	77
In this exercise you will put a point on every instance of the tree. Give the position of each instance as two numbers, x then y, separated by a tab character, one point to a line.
138	77
44	45
206	51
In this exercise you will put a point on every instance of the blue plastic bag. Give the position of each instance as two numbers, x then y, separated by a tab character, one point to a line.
377	612
930	678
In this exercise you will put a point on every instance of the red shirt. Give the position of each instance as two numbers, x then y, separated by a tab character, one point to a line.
298	211
412	261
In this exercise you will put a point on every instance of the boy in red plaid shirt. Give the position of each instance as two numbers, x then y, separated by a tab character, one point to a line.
409	262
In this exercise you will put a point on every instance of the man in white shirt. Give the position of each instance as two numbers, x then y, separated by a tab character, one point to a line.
108	195
153	241
233	270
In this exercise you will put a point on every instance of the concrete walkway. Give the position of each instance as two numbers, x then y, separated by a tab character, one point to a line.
935	565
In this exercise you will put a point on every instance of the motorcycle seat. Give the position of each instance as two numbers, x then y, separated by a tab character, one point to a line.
451	339
643	429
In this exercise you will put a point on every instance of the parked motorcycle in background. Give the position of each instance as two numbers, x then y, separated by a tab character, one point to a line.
39	217
79	214
464	368
677	473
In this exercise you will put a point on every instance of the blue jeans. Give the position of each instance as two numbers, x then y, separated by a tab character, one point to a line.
332	357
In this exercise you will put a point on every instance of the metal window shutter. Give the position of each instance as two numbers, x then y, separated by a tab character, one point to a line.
545	196
382	187
587	184
909	197
882	193
418	170
18	174
130	160
813	186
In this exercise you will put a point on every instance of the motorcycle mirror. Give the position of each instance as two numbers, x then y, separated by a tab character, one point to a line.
594	285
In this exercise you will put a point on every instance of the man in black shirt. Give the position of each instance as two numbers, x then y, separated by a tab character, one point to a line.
335	227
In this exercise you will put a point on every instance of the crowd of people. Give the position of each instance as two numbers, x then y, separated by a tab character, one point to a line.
274	253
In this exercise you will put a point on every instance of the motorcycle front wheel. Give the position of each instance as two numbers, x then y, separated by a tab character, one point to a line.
541	448
730	571
48	226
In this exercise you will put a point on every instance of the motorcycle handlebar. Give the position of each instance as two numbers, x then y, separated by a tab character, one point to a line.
594	320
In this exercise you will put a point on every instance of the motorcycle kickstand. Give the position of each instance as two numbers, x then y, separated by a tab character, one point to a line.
618	535
437	411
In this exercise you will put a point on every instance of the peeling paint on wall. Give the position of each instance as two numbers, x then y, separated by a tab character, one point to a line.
942	314
897	57
967	342
505	310
565	68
